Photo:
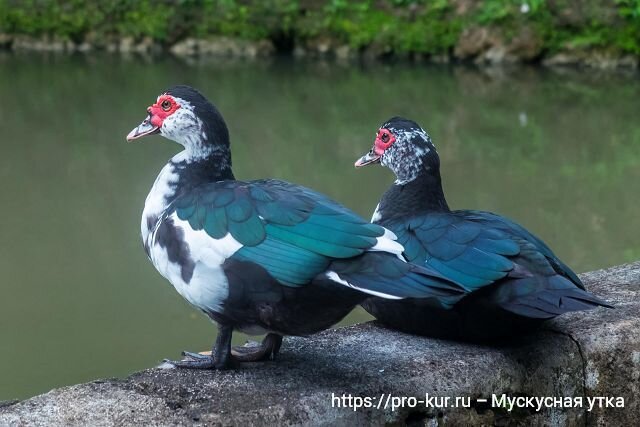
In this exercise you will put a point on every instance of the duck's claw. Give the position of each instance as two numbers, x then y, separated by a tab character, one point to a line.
193	360
197	356
219	358
206	362
254	352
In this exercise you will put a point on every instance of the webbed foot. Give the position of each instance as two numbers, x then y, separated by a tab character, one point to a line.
254	352
220	357
201	361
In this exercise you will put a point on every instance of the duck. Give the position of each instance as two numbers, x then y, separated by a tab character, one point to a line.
263	256
513	281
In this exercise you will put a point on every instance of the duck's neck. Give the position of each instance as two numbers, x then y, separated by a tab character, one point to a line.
185	171
421	195
194	169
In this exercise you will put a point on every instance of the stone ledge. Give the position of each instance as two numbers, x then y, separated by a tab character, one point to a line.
483	46
586	354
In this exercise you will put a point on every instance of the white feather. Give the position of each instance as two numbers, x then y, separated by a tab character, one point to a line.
332	275
376	214
156	201
208	287
387	243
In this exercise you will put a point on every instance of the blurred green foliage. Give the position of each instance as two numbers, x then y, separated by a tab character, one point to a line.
392	25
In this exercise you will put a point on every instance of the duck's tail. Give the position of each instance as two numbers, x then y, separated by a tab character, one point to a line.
544	298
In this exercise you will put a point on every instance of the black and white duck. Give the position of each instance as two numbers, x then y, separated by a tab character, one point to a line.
263	256
512	279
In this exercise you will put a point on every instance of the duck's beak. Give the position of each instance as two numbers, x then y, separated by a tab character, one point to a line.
368	159
145	128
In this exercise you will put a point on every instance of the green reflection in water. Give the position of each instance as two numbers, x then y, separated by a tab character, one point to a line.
558	153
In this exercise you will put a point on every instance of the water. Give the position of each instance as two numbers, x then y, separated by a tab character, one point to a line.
79	300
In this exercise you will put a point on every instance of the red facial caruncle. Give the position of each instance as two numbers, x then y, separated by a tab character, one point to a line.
163	108
384	139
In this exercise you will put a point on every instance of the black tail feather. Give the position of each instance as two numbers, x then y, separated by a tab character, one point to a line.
550	303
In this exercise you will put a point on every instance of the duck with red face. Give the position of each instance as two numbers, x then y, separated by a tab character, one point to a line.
384	140
512	279
262	256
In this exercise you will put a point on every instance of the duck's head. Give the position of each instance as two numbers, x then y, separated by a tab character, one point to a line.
184	115
404	147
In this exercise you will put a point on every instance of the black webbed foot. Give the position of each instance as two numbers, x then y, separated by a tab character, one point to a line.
254	352
205	362
196	356
219	359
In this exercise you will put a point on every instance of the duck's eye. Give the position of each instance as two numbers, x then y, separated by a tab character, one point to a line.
166	105
384	137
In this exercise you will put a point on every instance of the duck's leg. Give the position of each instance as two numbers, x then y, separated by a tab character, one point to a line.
220	357
266	350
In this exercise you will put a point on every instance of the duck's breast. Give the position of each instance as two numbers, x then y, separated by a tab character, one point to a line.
192	261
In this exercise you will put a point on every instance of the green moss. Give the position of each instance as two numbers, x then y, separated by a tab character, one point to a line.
589	28
393	25
427	27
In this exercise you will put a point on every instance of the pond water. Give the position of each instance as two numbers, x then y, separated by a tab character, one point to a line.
558	152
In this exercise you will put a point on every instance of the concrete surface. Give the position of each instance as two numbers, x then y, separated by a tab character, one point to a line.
589	355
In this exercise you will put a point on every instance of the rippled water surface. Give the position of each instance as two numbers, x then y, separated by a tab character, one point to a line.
558	152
